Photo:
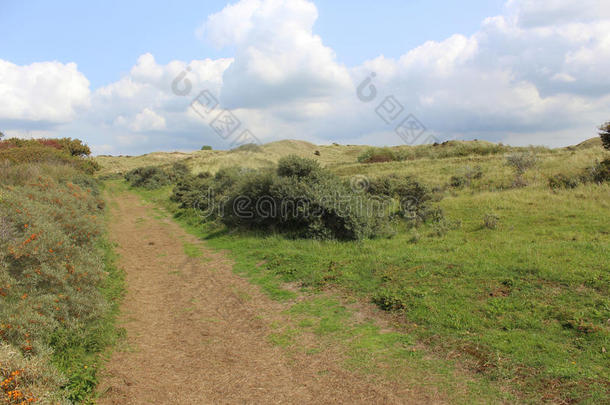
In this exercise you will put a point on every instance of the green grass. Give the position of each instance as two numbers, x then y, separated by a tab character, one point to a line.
192	250
524	305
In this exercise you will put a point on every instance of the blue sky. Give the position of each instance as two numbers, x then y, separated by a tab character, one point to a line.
516	71
105	38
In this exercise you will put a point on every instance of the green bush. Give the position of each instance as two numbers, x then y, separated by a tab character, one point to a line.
604	134
206	147
43	154
562	181
598	173
303	200
301	168
377	155
150	177
153	177
298	198
73	147
412	197
464	179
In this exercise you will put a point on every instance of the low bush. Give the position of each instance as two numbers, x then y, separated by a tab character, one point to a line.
491	221
73	147
377	155
598	173
562	181
52	271
206	147
43	154
153	177
297	198
412	197
465	177
301	199
604	134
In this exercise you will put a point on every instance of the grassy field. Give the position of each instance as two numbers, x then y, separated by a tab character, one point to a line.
513	285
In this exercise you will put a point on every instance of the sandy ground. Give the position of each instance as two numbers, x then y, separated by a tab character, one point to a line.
197	332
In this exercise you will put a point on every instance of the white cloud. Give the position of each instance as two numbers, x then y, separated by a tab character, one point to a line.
51	92
278	59
146	120
536	74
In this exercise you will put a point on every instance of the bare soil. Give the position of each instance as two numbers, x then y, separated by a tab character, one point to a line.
197	333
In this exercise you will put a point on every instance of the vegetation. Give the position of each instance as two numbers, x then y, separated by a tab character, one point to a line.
518	292
152	177
57	282
604	134
206	147
301	199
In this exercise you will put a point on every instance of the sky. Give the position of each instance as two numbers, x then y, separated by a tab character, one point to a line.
141	76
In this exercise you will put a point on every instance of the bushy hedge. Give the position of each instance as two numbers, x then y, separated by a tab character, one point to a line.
153	177
73	147
413	199
378	155
302	199
51	268
37	153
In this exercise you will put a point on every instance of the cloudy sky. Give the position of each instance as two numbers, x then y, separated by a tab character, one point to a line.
145	76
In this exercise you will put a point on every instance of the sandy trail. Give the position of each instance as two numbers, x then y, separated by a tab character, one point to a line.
192	337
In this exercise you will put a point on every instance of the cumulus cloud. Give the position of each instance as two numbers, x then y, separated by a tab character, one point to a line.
47	92
278	59
535	74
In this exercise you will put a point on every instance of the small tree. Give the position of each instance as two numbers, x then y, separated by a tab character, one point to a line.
1	135
206	147
604	133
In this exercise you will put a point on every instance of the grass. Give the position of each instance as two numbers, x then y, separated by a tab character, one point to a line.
522	305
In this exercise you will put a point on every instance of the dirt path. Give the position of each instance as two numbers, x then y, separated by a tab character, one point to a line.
192	337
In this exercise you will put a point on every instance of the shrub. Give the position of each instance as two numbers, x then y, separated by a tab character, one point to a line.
149	177
152	177
206	147
295	166
73	147
598	173
43	154
521	162
604	134
465	178
51	272
298	198
562	181
318	205
377	155
490	221
413	197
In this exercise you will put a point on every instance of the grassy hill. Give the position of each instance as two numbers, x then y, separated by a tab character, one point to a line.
510	284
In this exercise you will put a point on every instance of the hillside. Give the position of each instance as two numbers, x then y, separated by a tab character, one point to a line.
334	155
496	266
